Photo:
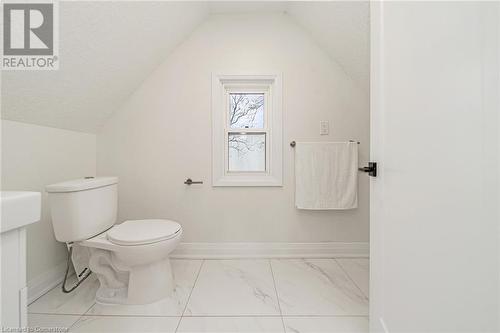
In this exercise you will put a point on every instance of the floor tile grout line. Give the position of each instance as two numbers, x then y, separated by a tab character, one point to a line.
53	313
130	315
93	304
194	285
197	316
86	314
277	295
271	258
48	291
45	293
209	316
178	324
350	278
264	315
81	316
189	297
76	321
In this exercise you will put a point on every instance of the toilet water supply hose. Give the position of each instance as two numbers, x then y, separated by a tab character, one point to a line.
64	289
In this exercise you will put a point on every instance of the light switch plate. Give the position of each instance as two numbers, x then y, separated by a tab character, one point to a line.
324	127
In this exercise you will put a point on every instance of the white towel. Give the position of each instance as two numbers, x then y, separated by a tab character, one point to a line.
326	175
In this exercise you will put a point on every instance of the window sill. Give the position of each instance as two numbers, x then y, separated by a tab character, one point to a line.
247	180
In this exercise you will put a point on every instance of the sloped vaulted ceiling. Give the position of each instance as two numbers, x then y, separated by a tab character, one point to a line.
342	28
108	48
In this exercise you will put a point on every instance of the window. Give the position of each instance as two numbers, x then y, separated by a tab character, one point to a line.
246	131
247	134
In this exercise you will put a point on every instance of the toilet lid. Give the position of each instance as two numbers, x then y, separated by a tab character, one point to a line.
140	232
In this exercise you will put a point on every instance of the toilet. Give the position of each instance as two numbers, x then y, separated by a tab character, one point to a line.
131	259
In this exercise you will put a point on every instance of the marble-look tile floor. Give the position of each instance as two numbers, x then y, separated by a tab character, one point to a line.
247	295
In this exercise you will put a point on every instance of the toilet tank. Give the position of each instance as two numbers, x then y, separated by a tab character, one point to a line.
83	208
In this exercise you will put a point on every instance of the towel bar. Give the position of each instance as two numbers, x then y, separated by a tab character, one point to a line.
293	143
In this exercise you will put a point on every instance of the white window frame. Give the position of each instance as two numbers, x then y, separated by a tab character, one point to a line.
270	85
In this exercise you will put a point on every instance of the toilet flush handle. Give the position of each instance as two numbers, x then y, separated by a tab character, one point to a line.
189	181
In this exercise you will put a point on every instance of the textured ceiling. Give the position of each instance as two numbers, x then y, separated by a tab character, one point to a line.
342	28
228	7
108	48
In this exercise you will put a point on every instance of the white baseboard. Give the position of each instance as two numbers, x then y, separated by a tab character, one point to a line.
270	250
40	285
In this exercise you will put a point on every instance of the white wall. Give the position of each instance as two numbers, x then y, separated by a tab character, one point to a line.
32	157
435	233
162	135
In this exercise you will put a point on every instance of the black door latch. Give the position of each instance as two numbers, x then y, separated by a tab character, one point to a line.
371	169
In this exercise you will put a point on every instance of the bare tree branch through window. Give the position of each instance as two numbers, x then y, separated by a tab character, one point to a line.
246	111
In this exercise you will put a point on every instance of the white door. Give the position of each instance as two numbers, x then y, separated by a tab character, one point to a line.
434	210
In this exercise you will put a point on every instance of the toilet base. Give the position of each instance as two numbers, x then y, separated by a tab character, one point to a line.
150	283
141	284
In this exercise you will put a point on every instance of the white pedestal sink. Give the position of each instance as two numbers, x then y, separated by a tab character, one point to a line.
18	209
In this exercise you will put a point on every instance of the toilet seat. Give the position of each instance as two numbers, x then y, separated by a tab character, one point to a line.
141	232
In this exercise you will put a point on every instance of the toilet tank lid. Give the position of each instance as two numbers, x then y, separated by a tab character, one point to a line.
81	184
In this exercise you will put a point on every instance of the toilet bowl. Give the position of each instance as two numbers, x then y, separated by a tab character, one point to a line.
130	259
